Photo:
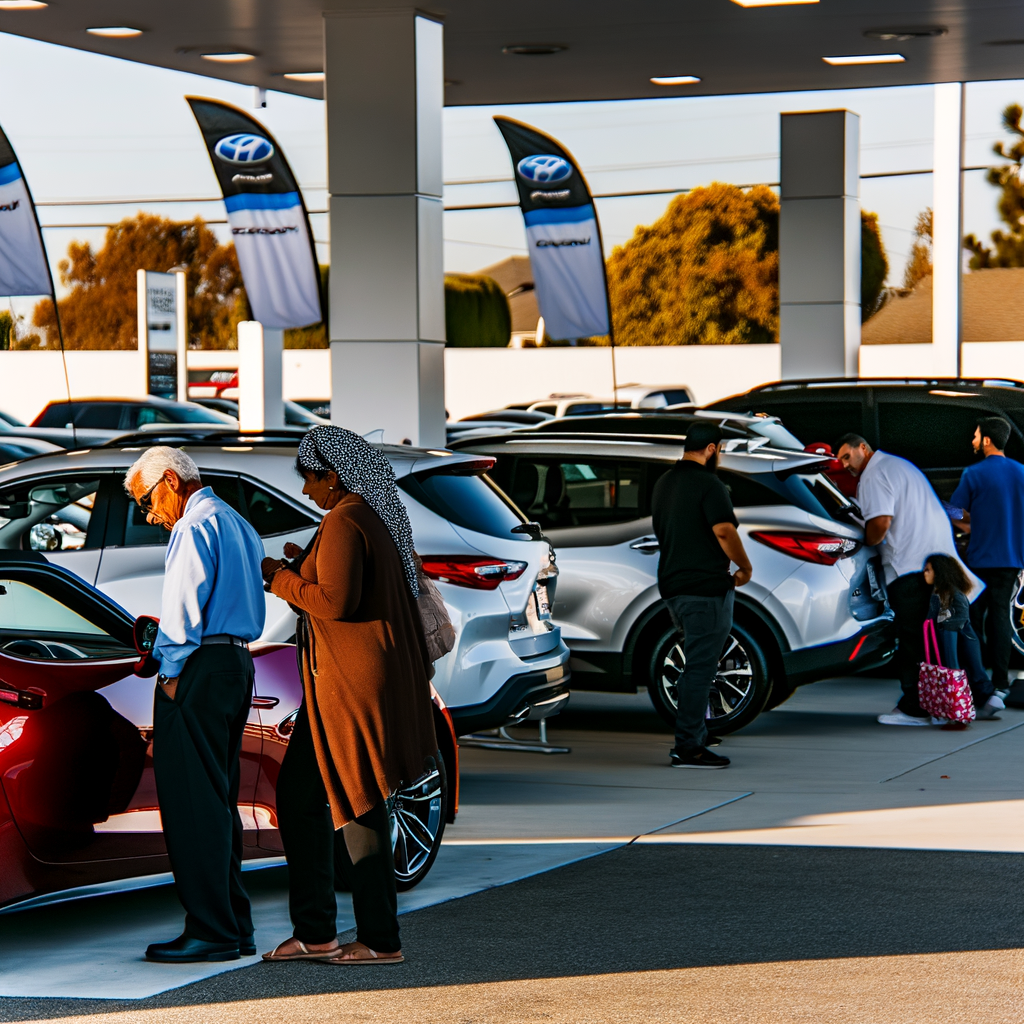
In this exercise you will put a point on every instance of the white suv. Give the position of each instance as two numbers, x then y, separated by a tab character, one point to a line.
497	578
815	607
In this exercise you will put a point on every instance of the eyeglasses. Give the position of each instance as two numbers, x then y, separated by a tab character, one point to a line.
145	501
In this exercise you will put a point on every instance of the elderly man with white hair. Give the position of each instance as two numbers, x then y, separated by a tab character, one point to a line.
213	607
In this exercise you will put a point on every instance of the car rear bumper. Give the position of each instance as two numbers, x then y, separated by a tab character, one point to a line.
871	646
529	696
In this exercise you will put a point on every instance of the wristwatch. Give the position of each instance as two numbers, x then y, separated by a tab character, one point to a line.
162	680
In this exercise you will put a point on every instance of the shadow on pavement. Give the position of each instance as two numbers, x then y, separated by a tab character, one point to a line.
657	908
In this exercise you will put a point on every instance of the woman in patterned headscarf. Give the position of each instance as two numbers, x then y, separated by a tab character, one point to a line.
366	722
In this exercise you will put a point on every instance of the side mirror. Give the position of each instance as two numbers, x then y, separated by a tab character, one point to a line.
44	537
144	633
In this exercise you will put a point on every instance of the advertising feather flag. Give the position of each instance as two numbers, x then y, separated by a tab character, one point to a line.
268	218
562	232
23	266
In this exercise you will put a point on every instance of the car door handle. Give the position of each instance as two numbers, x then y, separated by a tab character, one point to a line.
265	703
648	545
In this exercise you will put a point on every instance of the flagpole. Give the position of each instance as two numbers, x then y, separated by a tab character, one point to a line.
608	307
56	307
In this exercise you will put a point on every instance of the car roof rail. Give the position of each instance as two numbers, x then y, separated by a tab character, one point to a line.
276	436
933	381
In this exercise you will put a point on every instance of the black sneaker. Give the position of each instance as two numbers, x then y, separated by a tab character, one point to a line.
699	758
713	741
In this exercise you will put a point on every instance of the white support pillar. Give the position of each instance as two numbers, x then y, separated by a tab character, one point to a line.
819	244
947	228
260	350
181	333
385	95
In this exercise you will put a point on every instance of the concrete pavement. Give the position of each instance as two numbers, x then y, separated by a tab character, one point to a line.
727	904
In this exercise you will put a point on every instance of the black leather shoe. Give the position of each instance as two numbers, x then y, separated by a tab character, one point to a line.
247	945
187	950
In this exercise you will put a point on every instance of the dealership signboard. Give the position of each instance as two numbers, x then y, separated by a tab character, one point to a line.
163	332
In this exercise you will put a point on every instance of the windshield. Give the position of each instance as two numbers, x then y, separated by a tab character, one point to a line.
196	414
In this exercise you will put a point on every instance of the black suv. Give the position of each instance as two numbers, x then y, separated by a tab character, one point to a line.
929	421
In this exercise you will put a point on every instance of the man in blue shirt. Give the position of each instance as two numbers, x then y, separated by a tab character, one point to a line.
991	493
212	608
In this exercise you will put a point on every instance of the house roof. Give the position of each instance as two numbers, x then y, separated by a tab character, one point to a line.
993	310
515	278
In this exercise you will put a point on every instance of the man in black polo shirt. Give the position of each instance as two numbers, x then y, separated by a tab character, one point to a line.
696	529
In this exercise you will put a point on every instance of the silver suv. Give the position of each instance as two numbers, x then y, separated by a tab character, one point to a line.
815	606
495	574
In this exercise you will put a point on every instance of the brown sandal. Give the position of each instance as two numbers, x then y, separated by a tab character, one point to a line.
306	954
346	959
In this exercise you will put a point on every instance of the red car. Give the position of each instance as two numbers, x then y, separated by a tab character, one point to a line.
78	801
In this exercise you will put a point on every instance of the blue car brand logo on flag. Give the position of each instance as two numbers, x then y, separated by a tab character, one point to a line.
243	149
544	169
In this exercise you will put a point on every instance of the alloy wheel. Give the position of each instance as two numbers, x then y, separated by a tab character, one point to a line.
417	814
732	689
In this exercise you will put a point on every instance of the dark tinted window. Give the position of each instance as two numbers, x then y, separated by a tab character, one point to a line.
935	434
581	491
105	416
138	532
152	414
814	418
473	502
97	415
748	491
270	513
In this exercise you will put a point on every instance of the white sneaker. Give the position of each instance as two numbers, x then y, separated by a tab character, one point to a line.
897	717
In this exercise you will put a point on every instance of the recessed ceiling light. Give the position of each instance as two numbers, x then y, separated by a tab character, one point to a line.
21	5
867	58
304	76
115	32
229	58
771	3
676	80
901	35
534	49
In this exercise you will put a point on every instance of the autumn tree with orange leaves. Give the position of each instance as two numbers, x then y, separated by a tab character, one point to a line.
705	273
100	311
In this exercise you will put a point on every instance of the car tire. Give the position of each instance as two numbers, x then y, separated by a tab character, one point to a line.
729	708
418	813
781	690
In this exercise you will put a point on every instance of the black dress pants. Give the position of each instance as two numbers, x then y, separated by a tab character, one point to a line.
992	610
909	596
197	742
316	853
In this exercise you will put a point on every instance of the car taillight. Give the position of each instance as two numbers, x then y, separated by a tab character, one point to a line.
823	548
472	571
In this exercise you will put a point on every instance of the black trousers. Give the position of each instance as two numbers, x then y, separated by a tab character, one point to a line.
197	741
908	598
705	623
317	854
990	616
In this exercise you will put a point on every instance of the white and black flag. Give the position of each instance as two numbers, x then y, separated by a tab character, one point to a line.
562	232
268	218
23	266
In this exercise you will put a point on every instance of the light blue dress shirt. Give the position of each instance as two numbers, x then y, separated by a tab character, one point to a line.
212	581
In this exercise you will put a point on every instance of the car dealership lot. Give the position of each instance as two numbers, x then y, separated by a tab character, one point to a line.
816	772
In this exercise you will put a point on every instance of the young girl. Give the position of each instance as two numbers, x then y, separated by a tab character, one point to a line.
951	611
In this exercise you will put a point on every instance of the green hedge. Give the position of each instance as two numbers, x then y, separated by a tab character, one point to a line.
476	313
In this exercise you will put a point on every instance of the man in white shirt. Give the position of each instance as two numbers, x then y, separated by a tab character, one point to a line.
904	516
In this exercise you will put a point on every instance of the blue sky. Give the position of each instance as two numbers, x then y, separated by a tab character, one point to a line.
100	139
